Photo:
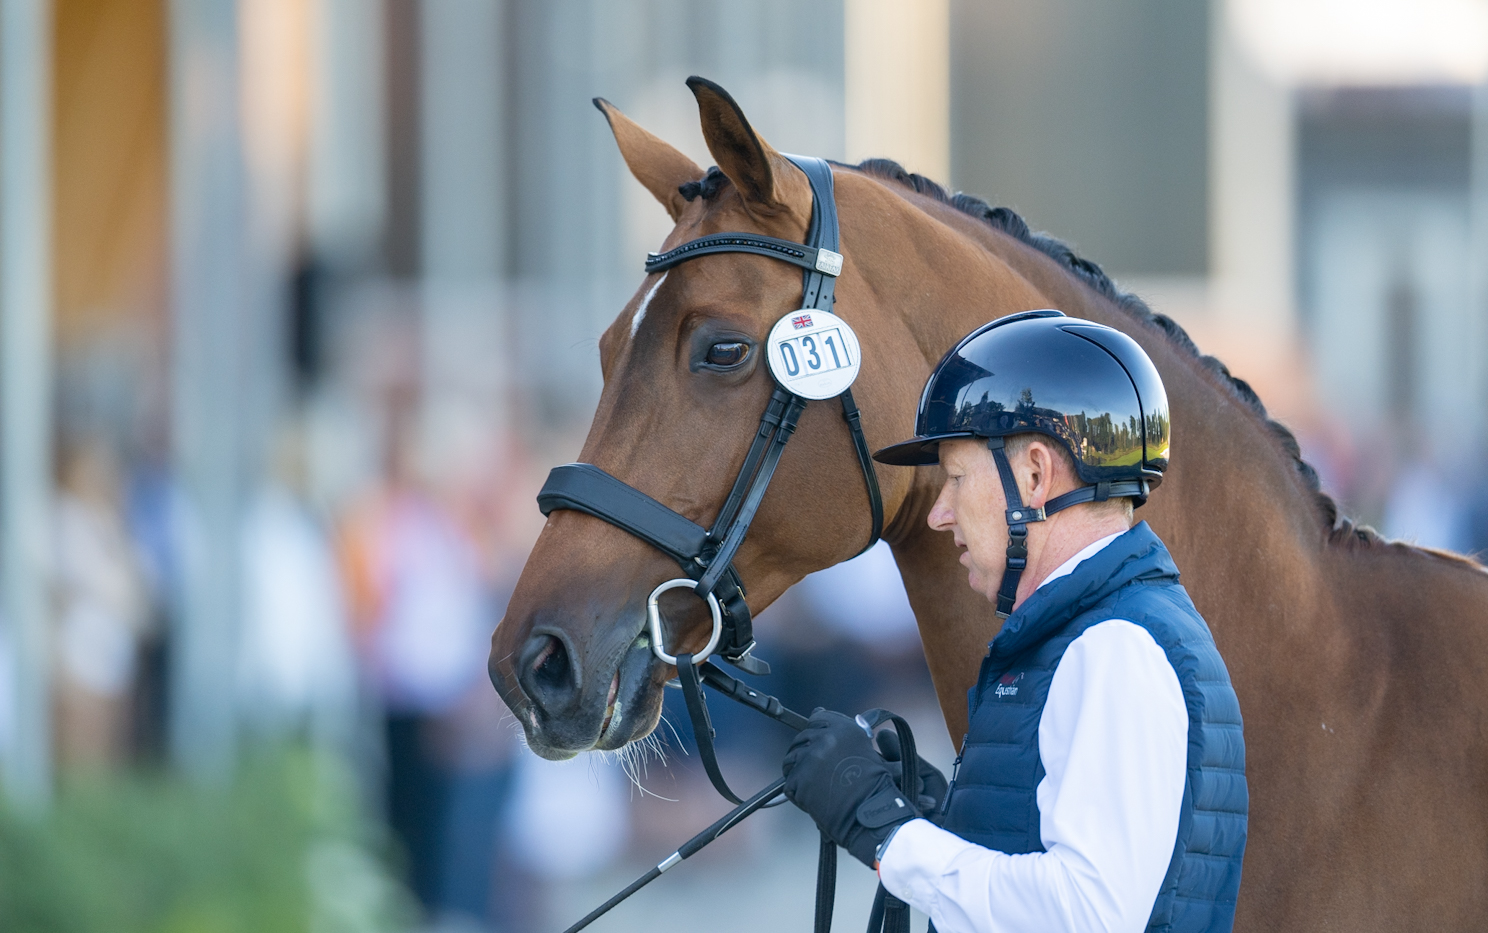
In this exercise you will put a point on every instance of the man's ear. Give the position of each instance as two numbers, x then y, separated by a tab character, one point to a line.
1041	468
767	181
655	163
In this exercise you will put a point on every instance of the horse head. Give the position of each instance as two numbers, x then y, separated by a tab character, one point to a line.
685	383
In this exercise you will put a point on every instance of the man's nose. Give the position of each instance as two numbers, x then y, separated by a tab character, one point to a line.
941	517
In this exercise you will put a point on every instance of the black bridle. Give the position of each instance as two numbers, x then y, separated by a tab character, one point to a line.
707	555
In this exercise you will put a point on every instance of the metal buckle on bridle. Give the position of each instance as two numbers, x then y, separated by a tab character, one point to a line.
653	622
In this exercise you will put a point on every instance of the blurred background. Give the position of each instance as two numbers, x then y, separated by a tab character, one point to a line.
299	301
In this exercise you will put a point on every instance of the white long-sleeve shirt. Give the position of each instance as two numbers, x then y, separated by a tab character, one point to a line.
1113	739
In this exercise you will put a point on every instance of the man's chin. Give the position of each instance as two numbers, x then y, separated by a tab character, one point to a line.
977	582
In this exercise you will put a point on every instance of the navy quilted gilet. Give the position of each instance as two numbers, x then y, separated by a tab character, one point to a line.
994	802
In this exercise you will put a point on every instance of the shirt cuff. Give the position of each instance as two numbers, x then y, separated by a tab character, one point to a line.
916	858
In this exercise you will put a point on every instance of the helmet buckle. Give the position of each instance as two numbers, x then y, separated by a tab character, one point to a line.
1024	515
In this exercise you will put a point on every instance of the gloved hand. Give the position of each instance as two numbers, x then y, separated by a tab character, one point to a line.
931	786
834	773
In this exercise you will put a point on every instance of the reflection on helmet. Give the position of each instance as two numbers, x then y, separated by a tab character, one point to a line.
1088	386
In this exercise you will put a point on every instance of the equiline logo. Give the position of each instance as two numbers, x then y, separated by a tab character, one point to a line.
1007	685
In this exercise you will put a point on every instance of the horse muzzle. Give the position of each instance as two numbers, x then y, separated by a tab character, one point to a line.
566	707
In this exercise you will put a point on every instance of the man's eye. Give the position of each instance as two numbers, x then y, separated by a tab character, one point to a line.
727	354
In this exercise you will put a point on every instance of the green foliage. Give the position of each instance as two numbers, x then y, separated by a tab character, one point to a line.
283	848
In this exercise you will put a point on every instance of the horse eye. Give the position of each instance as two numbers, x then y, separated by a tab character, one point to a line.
731	353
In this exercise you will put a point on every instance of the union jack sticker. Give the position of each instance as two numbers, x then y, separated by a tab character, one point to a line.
801	321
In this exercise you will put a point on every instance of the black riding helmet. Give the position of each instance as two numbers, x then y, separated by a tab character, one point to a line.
1088	386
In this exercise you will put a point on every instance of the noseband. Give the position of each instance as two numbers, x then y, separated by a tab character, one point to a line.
707	555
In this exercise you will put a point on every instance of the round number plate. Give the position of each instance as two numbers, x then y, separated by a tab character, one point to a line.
813	353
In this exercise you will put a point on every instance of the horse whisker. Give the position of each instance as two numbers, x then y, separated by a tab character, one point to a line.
681	746
633	761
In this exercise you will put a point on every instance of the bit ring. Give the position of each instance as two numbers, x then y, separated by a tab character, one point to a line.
653	622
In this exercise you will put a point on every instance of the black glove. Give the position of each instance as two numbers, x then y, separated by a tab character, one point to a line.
834	773
931	786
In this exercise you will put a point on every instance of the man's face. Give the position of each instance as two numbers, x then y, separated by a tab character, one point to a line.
972	507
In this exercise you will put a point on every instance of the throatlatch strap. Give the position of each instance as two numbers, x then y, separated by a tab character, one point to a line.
702	726
854	420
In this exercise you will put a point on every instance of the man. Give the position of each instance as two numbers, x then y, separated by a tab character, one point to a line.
1101	785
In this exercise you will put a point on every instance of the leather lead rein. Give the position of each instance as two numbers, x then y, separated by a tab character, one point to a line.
888	915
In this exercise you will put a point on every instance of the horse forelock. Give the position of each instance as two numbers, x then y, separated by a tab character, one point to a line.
706	187
1337	528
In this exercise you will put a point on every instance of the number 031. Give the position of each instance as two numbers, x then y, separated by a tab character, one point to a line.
813	354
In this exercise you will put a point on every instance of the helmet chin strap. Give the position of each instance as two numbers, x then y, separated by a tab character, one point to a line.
1019	517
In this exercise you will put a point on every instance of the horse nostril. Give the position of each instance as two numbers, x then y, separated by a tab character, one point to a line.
551	667
548	674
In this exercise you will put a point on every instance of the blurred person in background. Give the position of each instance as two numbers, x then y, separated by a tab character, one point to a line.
153	515
861	606
423	611
295	665
566	821
102	610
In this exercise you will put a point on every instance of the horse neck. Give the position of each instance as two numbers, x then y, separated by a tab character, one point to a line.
1223	446
934	296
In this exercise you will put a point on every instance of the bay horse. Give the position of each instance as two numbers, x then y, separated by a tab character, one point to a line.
1359	662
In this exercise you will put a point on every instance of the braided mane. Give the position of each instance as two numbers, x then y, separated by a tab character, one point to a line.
1338	528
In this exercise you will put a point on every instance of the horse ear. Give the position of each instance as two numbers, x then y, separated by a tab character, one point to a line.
655	163
766	180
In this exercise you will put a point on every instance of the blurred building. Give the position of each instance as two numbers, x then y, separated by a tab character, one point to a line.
1300	184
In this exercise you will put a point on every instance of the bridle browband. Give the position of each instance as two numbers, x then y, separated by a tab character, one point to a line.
707	555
